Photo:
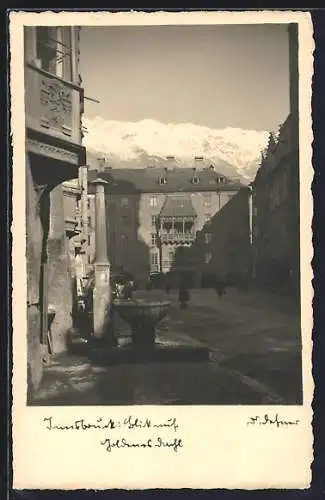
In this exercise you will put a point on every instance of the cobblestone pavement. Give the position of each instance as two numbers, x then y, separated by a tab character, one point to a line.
255	344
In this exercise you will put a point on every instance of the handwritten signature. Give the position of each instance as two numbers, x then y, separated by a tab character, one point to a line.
110	444
108	423
267	420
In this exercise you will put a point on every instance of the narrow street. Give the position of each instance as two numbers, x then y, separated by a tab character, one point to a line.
255	358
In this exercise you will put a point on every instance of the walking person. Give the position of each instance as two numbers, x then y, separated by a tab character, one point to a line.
167	286
183	294
220	287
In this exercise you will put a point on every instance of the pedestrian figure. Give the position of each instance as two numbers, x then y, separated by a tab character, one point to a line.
220	288
127	290
183	294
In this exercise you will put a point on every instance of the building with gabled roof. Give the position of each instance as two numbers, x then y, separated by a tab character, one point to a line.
153	211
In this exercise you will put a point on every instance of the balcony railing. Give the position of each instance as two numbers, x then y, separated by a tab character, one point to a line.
177	237
53	105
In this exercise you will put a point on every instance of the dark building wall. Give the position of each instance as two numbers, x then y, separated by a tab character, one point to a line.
59	273
127	248
276	213
53	154
222	248
35	233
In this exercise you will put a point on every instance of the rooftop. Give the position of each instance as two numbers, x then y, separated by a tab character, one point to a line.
180	205
163	180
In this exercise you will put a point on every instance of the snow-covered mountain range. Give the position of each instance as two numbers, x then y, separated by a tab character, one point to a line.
233	151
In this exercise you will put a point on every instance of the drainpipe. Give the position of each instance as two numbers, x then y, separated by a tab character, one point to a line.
251	231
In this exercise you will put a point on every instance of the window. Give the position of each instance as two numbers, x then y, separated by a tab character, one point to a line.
207	257
124	202
88	203
207	238
153	239
124	239
53	50
154	220
89	239
153	201
89	221
154	258
126	221
207	199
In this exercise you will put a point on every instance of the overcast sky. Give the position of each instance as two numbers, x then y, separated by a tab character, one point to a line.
216	76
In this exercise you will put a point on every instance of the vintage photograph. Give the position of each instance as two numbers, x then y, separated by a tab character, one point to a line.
162	215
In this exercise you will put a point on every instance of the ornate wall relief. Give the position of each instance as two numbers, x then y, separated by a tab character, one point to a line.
56	101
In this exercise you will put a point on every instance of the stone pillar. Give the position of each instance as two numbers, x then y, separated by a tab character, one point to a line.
83	184
102	291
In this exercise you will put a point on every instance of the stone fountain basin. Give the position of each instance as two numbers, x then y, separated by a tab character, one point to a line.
141	311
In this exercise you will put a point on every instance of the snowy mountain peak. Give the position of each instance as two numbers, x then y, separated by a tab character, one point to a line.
235	152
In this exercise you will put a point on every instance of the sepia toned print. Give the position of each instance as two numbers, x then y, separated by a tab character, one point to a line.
167	305
164	256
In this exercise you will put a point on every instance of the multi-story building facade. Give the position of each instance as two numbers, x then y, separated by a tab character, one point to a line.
153	212
276	233
54	153
75	208
275	212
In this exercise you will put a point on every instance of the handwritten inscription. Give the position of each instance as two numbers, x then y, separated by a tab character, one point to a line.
104	424
123	425
275	421
174	444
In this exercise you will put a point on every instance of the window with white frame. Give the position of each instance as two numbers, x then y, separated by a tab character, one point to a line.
153	239
154	258
153	201
54	50
154	220
207	199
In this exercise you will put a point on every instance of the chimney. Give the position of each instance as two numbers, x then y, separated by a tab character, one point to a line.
170	159
101	163
198	161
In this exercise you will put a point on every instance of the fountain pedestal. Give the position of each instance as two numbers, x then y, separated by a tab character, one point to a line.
142	346
143	336
142	316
